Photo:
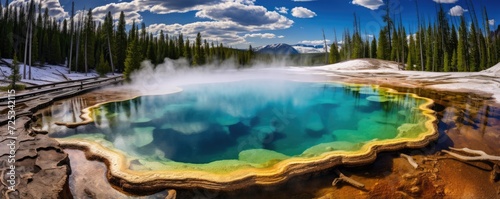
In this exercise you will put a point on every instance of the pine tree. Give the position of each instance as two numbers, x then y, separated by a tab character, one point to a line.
490	60
410	62
171	49
462	46
89	39
357	49
366	50
180	45
473	49
382	46
206	51
198	58
15	75
103	66
446	67
453	66
151	55
435	53
121	43
34	52
55	50
483	52
396	46
373	48
160	48
187	52
453	38
250	54
133	60
429	49
44	56
108	39
418	56
334	55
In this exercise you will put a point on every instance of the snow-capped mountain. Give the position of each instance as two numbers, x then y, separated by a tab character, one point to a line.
304	48
280	49
285	49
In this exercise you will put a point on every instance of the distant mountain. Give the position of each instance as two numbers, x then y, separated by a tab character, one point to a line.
304	48
279	49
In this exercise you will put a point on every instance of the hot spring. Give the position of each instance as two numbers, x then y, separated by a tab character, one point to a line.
252	129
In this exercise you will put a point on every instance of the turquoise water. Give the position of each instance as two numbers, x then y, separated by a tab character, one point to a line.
220	121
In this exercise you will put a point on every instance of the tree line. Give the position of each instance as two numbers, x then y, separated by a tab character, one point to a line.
82	43
439	46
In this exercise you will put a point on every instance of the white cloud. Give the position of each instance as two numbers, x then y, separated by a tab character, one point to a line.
301	12
491	22
282	10
261	35
315	42
54	7
176	6
130	10
370	4
239	13
281	37
445	1
457	11
229	21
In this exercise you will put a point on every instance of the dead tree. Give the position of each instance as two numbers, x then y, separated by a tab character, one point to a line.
343	178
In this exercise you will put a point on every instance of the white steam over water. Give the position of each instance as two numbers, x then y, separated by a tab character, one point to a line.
176	73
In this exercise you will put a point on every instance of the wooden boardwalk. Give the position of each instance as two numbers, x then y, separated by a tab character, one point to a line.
36	97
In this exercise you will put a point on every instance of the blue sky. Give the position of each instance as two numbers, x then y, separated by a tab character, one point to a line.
239	23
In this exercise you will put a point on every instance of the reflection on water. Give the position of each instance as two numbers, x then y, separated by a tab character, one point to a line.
244	120
466	120
64	111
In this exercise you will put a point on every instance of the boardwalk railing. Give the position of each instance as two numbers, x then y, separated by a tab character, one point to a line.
59	83
37	90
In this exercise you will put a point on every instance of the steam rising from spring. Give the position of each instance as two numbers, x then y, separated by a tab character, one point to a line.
173	73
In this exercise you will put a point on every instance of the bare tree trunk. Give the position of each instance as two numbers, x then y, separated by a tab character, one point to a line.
70	54
111	57
77	46
26	48
31	48
72	32
85	52
420	38
326	47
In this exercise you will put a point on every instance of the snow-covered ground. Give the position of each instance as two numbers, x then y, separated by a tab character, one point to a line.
46	74
485	81
360	64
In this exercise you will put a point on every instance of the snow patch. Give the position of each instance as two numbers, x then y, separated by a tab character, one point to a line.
360	64
495	70
46	74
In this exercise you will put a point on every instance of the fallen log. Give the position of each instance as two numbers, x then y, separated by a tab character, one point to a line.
343	178
478	156
410	160
6	63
